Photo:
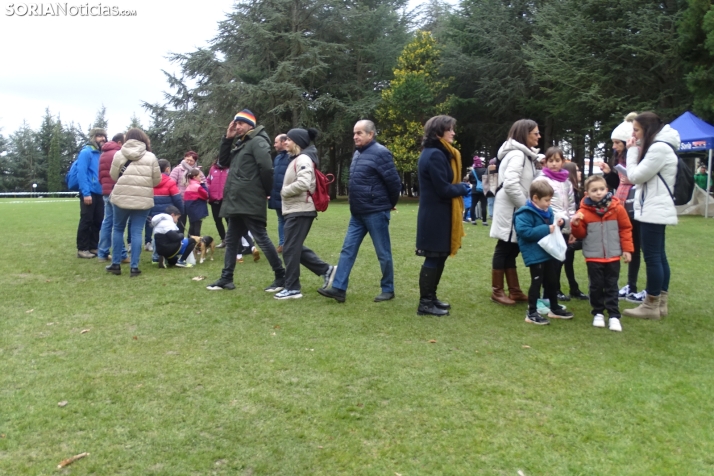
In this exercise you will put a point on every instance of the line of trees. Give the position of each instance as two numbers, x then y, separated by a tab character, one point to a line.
575	66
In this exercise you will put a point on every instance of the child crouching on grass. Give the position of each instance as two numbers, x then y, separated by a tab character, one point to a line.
603	225
172	247
534	221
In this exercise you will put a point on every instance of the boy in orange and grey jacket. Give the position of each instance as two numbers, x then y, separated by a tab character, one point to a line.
603	225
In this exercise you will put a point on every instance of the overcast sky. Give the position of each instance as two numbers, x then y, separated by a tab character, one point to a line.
76	64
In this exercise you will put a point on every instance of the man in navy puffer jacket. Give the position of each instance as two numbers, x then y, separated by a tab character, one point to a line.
374	191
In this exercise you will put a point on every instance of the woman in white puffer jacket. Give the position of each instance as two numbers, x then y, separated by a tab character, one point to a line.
652	166
515	174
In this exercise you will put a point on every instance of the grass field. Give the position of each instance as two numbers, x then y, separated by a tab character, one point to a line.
172	379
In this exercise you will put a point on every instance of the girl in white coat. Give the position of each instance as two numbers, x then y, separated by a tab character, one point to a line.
652	166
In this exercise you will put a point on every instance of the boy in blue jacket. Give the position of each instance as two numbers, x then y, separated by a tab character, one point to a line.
534	221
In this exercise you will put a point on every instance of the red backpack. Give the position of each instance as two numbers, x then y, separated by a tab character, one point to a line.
321	196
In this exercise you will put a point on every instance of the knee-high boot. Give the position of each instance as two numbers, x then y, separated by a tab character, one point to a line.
497	294
514	289
437	302
427	293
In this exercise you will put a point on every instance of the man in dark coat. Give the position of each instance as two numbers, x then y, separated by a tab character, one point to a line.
375	186
249	182
280	164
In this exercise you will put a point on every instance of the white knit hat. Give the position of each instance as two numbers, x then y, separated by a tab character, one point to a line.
624	130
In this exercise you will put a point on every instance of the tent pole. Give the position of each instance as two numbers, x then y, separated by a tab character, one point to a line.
709	184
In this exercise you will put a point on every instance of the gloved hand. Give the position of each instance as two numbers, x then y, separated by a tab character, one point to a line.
467	190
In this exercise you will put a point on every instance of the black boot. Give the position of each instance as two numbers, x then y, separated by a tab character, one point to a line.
437	302
427	293
114	269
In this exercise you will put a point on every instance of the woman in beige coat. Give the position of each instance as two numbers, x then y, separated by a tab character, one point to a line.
137	172
299	213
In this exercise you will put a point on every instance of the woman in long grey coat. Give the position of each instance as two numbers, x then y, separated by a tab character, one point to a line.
517	170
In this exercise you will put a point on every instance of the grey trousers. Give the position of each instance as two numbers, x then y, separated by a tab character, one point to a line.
295	253
238	226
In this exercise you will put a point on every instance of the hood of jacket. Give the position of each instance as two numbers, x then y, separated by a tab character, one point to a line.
670	136
511	145
311	151
133	150
111	146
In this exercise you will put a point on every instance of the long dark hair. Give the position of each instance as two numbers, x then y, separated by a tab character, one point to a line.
435	128
651	124
520	130
138	134
572	175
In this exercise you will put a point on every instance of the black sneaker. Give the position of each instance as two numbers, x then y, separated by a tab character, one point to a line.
537	319
563	297
560	314
134	272
275	286
336	294
222	283
114	269
579	295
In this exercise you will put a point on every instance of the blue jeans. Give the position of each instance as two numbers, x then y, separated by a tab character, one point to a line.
377	225
105	233
281	227
138	218
652	245
490	201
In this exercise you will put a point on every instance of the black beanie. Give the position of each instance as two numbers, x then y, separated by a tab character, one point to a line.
302	137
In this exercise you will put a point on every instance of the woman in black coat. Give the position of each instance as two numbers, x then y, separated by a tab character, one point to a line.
441	207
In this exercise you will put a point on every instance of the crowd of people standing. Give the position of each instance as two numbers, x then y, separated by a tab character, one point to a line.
535	201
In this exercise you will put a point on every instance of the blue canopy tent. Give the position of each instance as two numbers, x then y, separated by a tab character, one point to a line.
696	135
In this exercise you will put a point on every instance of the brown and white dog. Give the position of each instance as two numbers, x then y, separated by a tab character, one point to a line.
203	245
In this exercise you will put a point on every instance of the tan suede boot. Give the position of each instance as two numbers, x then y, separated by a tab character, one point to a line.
497	287
647	310
663	297
514	288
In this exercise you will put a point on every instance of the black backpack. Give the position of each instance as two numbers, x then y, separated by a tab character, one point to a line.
683	182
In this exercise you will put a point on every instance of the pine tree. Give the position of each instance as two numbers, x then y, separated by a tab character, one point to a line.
100	119
54	179
135	123
416	93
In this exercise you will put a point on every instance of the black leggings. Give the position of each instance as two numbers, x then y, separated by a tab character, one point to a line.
216	210
194	228
568	265
437	262
633	268
478	197
505	254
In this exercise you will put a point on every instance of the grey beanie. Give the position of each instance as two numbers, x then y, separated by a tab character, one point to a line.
302	137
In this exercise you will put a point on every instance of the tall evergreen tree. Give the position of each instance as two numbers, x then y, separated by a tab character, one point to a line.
414	95
54	161
696	35
24	157
100	120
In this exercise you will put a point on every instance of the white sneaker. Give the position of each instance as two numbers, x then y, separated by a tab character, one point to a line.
599	320
329	277
288	294
148	247
624	291
615	324
637	298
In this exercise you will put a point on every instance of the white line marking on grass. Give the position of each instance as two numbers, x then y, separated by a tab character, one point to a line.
36	201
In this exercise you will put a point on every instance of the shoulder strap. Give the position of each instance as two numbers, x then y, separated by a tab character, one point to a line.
659	174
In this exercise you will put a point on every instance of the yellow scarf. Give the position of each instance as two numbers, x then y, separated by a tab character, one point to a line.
457	203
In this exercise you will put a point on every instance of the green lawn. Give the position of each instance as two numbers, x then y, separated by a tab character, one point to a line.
172	379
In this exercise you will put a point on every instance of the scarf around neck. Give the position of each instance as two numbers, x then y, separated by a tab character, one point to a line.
560	176
601	206
457	203
546	215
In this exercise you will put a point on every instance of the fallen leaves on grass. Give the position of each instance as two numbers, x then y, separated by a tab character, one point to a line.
198	278
526	346
432	341
135	338
521	473
84	331
71	460
62	404
276	327
27	312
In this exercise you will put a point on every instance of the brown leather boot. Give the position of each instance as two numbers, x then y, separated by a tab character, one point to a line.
497	286
514	289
